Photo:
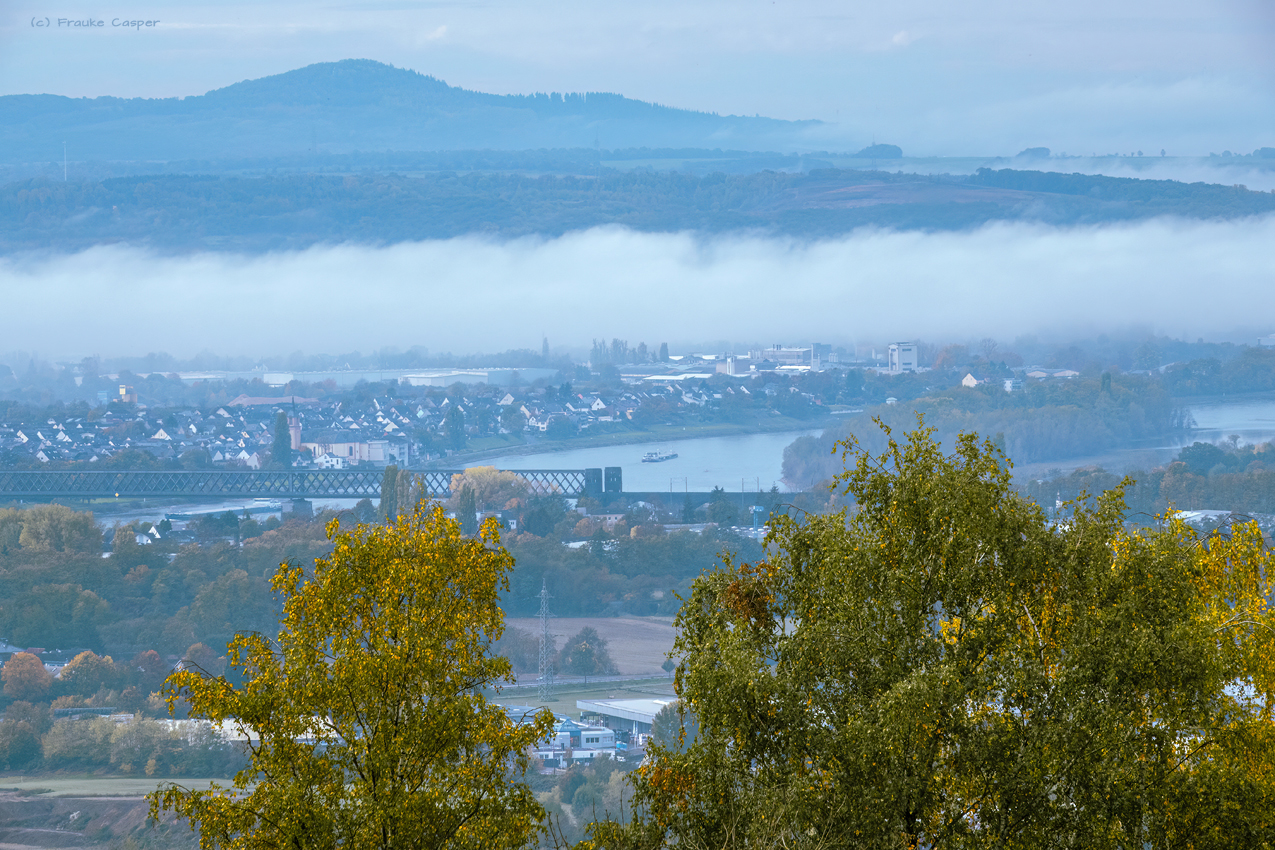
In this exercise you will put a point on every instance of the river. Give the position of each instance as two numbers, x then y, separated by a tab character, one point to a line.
746	462
753	461
1252	420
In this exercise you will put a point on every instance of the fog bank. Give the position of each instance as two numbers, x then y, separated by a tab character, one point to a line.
468	295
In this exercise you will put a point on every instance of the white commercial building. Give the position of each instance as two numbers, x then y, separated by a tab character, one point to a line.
632	715
903	357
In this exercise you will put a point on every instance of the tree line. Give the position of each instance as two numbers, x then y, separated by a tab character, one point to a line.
1044	420
1204	476
59	592
295	211
59	724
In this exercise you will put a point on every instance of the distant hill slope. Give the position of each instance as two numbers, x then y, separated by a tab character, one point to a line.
178	213
358	104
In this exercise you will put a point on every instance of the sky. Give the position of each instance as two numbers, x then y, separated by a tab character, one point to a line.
1183	279
938	78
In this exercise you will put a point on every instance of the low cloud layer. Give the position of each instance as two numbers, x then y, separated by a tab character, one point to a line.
1191	279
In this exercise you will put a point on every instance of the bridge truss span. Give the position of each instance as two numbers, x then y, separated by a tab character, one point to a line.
344	484
269	484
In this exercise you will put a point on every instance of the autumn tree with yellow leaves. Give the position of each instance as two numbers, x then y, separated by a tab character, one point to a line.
366	719
945	667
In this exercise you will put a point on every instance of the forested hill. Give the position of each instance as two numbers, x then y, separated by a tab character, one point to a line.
359	105
175	213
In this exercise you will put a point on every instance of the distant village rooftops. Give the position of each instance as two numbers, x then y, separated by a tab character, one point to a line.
261	401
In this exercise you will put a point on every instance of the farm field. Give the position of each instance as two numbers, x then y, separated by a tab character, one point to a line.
638	645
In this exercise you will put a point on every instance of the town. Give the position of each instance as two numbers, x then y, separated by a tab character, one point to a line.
75	414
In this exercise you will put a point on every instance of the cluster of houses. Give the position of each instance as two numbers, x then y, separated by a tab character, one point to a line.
239	433
421	423
227	435
331	434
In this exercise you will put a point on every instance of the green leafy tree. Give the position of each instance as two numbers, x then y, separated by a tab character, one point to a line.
210	528
232	600
542	514
148	670
492	489
19	744
203	660
409	490
586	655
368	715
946	668
364	511
38	717
196	459
561	428
82	743
521	647
673	728
57	528
55	615
454	427
281	448
721	509
467	510
389	493
10	530
512	419
88	673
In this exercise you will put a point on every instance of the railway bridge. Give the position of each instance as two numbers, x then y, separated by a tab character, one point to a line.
276	484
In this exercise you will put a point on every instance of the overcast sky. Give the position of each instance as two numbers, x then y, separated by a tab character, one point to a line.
1085	76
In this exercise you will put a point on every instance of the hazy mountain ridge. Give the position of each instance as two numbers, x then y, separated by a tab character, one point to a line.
176	213
359	105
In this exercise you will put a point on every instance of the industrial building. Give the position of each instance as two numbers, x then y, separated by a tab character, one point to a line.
634	716
903	358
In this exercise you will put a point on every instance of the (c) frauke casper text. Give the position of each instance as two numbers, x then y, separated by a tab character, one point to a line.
90	23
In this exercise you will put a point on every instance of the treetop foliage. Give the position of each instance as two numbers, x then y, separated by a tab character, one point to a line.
1230	477
47	529
366	721
585	654
945	667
